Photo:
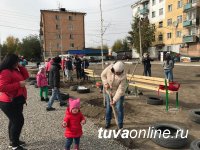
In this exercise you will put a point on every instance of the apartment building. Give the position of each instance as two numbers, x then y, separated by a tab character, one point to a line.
61	30
155	11
191	37
176	22
173	25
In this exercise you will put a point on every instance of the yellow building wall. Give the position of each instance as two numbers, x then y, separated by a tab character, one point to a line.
173	15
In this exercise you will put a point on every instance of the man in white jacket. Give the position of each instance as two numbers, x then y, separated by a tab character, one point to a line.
114	80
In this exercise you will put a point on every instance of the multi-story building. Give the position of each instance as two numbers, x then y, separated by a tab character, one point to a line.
191	37
176	22
61	30
173	25
155	11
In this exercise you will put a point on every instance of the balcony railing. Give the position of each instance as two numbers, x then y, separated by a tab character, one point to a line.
187	6
187	23
189	38
144	11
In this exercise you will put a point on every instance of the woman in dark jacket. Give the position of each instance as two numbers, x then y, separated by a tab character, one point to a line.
54	81
13	97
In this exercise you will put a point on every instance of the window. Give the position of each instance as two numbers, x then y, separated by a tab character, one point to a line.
169	48
160	24
153	2
169	35
169	22
179	19
169	8
57	26
153	14
71	45
138	9
58	45
160	11
70	27
179	4
57	17
192	31
160	37
58	36
71	36
178	34
70	18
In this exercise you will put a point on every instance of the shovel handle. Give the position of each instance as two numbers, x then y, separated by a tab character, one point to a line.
113	109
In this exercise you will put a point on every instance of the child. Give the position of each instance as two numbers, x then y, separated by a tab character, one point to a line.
72	122
42	83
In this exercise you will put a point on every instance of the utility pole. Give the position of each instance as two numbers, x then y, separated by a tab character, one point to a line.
140	40
101	36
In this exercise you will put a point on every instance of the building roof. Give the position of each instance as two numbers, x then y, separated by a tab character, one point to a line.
62	10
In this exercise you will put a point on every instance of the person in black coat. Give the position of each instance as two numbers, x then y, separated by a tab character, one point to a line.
146	60
54	81
77	64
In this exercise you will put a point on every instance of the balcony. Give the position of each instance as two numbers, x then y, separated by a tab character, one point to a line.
144	1
144	11
187	23
158	43
187	6
189	39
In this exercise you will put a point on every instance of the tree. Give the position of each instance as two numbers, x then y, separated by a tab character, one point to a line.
125	45
11	45
147	34
30	47
117	46
105	47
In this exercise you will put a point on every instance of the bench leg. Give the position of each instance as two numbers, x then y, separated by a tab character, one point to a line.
177	102
136	91
167	96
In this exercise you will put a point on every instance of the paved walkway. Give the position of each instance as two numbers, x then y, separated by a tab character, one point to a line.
43	131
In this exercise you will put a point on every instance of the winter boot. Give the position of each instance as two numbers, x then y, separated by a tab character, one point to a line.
42	99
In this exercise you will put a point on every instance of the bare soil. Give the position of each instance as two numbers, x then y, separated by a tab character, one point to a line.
139	114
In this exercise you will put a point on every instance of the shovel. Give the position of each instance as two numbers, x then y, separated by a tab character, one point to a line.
113	108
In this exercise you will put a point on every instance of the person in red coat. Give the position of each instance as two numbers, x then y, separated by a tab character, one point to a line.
13	96
73	122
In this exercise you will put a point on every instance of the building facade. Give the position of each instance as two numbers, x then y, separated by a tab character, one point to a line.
176	23
61	30
191	37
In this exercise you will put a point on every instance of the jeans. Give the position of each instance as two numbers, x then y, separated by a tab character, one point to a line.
69	143
68	73
55	95
168	74
14	112
147	71
119	107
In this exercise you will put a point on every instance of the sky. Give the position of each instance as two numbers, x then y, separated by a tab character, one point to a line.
20	18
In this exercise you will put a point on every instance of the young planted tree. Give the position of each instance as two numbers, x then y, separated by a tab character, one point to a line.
147	34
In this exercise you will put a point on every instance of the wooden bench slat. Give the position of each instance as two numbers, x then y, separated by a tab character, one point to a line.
147	78
150	87
146	81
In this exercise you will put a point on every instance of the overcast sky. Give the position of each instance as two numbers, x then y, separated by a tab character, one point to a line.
21	18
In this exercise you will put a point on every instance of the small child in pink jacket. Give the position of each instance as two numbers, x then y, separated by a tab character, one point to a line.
73	122
42	83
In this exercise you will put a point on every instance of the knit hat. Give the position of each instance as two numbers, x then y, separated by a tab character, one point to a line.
118	66
74	103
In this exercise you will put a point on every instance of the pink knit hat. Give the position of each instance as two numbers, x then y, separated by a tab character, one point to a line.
74	103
